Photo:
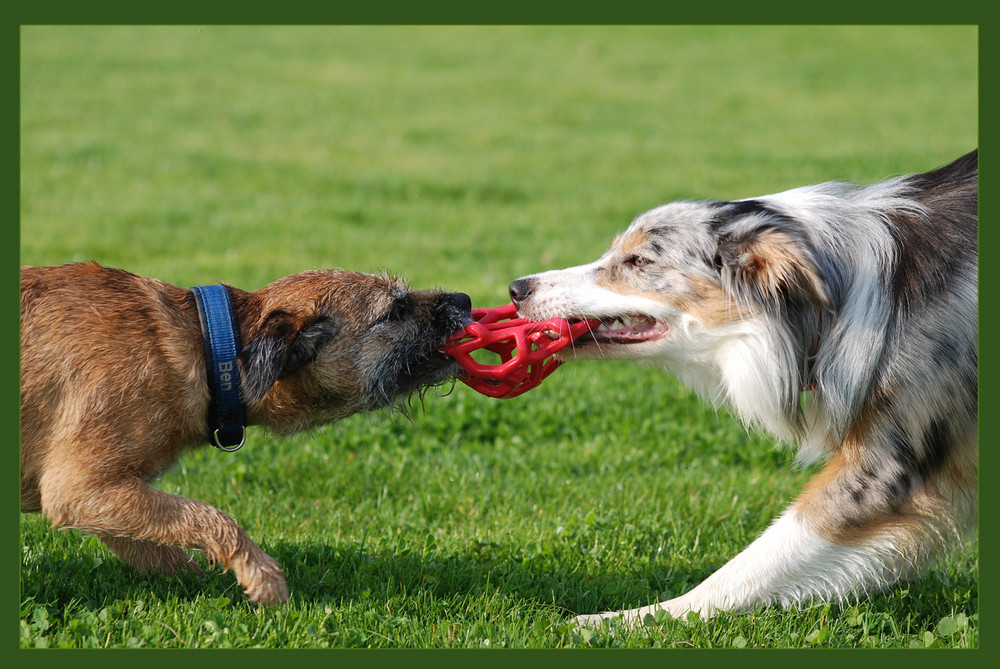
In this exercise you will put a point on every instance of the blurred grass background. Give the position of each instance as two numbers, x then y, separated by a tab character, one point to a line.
464	157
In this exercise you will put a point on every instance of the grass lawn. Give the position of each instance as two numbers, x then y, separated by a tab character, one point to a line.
464	158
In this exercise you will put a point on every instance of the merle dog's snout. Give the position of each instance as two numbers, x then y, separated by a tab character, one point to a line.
520	289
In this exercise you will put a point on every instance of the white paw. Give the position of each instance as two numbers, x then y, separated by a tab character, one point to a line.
618	620
593	620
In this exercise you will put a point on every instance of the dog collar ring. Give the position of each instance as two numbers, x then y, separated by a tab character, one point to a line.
217	441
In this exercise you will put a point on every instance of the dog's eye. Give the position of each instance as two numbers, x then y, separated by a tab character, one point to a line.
637	261
400	308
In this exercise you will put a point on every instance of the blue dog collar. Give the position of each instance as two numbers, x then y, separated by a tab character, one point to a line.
227	421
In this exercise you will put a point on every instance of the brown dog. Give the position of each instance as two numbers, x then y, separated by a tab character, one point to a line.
114	388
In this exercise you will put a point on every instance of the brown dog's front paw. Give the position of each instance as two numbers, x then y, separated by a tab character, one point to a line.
268	592
272	593
263	581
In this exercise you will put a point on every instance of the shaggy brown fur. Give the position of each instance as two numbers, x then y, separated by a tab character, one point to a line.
114	389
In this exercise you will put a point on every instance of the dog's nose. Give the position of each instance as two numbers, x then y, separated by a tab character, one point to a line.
520	289
460	301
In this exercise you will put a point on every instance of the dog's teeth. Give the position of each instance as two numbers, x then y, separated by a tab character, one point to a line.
624	325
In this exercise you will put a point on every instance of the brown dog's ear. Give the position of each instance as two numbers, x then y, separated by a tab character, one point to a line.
282	344
769	267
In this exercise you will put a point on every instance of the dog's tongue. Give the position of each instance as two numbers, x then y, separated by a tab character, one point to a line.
525	347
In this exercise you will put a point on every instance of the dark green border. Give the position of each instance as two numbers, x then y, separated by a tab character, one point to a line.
516	12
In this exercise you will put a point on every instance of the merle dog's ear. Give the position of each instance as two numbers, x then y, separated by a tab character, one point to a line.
280	345
770	266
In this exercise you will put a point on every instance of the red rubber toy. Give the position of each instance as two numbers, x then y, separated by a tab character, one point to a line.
525	348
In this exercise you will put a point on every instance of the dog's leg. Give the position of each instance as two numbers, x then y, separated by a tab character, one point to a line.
128	507
788	564
148	556
830	545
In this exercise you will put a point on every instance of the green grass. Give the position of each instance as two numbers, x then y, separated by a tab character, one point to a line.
463	158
